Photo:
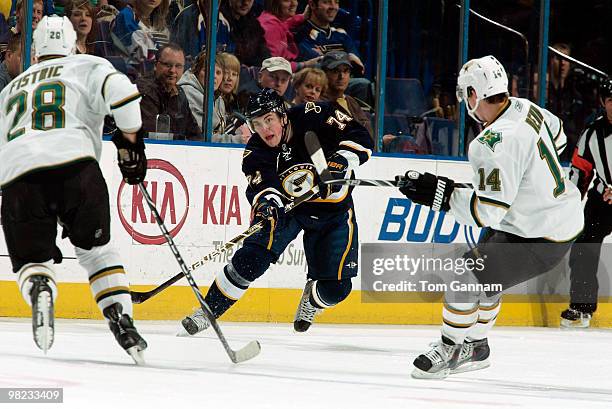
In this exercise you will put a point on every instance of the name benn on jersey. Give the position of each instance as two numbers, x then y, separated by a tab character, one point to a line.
42	74
298	179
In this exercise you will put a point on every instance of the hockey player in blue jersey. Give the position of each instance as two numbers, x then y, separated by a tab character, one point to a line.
278	169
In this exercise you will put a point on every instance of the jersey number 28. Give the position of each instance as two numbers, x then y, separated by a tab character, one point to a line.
47	108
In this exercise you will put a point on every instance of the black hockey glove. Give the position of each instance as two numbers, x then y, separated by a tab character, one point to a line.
268	211
131	157
337	165
427	189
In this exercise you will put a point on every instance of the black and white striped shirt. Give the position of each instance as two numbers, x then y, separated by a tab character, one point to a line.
593	157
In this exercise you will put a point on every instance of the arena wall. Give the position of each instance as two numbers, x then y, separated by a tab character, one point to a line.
199	190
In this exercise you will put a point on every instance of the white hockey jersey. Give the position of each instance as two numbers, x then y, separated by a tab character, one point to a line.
53	113
519	184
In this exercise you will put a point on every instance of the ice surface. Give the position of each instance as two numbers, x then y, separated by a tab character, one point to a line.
329	367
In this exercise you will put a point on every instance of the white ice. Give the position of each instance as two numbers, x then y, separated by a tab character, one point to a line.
331	366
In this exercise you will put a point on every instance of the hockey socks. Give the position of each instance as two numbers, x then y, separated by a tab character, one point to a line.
318	295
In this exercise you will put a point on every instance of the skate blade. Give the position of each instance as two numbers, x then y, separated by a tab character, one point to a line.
471	366
420	374
44	331
137	355
577	324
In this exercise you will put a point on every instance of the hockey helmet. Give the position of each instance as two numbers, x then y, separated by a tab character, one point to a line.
486	76
605	89
264	101
54	35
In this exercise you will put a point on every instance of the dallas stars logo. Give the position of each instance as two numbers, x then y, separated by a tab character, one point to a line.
491	139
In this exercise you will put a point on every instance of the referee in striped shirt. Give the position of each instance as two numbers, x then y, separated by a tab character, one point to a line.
592	158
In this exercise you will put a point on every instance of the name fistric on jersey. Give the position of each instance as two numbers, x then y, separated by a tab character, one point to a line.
53	113
519	184
287	171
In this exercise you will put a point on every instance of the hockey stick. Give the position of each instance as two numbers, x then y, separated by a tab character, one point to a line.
313	146
250	350
140	297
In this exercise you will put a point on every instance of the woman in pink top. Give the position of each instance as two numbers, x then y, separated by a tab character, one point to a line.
278	21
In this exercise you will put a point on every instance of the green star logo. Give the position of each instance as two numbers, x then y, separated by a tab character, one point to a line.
490	139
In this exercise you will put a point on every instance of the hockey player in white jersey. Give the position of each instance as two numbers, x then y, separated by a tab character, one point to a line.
51	119
530	211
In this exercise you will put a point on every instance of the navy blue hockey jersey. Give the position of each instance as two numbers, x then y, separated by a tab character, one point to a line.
287	171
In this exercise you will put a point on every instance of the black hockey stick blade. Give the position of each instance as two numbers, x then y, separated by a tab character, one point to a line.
313	146
140	297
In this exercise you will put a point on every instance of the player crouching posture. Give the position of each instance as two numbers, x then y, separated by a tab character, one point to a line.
50	144
277	167
532	214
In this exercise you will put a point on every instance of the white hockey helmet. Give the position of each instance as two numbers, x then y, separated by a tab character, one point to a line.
486	76
54	35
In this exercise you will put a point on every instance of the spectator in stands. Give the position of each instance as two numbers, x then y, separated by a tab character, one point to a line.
5	10
140	29
192	83
229	91
317	36
189	30
81	13
11	66
162	96
337	66
37	14
5	33
278	21
309	85
231	77
564	100
245	31
275	73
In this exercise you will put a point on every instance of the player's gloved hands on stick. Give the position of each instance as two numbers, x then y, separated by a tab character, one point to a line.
427	189
337	166
131	157
268	211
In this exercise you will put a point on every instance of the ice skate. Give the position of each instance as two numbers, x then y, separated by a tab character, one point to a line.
572	318
194	323
437	362
125	333
304	316
42	312
474	355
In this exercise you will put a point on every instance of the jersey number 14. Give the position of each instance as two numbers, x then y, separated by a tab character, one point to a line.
47	108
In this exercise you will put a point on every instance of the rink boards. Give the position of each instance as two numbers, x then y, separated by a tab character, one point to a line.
199	190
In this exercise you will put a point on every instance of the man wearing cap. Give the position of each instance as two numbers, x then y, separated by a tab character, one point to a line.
275	73
338	67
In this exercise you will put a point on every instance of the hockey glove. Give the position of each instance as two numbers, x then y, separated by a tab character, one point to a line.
427	189
131	157
338	166
269	212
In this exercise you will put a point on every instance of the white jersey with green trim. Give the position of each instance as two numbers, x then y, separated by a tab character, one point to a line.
53	113
519	184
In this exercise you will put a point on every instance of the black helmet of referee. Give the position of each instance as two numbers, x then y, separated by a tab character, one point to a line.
605	89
